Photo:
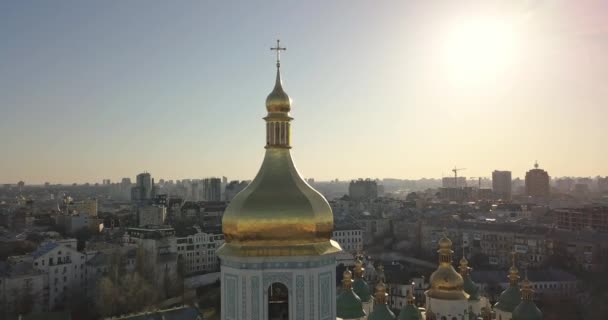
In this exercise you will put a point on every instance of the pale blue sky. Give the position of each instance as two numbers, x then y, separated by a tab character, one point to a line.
106	89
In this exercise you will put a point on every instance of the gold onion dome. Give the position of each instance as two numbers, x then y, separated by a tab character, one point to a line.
348	304
446	283
469	286
278	100
278	213
381	310
445	243
410	311
527	309
510	297
360	286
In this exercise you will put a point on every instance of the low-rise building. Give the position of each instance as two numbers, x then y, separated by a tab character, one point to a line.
151	215
65	269
349	236
545	282
22	289
196	252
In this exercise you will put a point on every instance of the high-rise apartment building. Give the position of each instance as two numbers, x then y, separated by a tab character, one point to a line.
233	188
537	182
212	189
144	188
501	184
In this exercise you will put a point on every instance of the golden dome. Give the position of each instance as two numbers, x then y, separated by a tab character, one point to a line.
446	283
278	214
445	243
278	100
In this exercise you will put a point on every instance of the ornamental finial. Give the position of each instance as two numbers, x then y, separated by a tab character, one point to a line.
278	49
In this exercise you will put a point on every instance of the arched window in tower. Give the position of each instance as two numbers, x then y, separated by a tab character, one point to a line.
277	132
278	302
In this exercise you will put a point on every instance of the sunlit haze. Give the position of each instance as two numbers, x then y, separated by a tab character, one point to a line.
402	89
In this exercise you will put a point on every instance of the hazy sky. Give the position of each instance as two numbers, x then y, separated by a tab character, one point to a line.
405	89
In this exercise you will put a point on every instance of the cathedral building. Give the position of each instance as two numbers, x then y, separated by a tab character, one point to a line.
278	260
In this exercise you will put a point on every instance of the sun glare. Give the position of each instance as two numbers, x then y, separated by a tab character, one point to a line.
479	49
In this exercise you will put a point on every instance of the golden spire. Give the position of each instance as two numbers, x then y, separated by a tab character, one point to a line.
445	250
513	272
527	293
278	101
381	295
347	279
464	265
380	273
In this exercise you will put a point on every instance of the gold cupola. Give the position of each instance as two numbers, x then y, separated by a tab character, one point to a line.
446	282
278	214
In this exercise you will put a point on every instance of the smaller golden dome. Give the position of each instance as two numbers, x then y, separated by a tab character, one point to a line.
464	266
278	100
381	295
445	243
359	270
464	261
446	283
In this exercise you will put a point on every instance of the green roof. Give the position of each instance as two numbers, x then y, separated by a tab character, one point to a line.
348	305
410	312
509	299
362	289
527	310
381	312
471	288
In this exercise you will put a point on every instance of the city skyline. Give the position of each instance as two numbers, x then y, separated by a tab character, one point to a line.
180	91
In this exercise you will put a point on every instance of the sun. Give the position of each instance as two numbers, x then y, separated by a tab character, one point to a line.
479	49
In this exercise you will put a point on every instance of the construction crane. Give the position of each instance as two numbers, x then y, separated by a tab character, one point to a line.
455	170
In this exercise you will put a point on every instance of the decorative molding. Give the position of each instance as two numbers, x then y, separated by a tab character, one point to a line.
255	298
299	297
279	265
230	296
325	295
244	296
311	290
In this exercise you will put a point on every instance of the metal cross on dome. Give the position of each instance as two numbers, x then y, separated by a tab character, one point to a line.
278	49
